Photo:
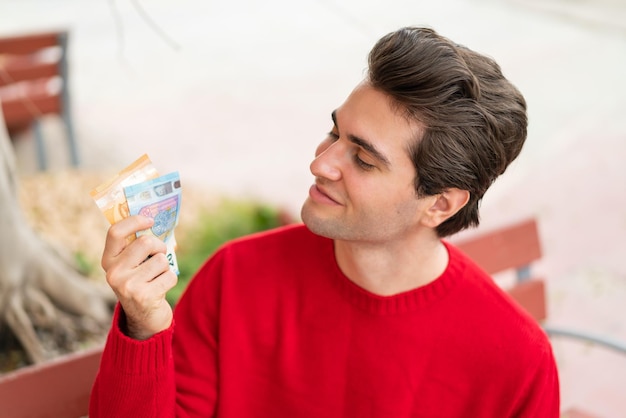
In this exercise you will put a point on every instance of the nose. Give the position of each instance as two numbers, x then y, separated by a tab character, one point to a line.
326	162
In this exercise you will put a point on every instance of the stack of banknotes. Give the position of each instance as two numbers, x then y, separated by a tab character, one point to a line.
139	190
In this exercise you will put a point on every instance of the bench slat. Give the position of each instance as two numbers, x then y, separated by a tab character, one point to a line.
510	247
58	388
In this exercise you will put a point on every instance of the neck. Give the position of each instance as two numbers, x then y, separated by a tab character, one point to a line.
390	268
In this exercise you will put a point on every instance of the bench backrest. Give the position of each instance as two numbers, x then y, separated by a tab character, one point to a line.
513	247
27	65
59	388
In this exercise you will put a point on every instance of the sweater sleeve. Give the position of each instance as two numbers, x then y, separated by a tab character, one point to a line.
172	374
136	378
542	396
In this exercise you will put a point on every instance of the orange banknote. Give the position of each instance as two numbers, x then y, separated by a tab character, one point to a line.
109	196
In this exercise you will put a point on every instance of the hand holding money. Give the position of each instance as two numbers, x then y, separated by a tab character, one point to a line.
137	189
139	273
139	256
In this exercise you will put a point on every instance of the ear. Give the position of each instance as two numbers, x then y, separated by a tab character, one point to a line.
446	205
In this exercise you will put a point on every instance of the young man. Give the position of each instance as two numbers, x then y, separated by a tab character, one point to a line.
363	311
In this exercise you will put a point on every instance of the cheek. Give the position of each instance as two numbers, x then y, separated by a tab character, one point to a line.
387	196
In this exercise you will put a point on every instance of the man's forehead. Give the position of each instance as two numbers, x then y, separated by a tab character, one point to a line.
372	111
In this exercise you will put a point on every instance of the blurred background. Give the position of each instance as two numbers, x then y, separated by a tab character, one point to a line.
236	95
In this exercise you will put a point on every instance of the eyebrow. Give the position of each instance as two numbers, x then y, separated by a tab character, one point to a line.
366	145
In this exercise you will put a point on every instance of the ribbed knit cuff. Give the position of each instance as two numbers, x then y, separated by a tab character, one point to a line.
129	356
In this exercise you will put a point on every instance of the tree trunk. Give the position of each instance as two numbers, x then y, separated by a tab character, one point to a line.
44	301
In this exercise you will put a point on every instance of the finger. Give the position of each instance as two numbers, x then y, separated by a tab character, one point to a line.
147	310
116	239
145	289
133	286
119	231
137	253
153	267
134	280
162	282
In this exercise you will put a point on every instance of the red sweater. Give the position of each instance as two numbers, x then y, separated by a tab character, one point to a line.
270	327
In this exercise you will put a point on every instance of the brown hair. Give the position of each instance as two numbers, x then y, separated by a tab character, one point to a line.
475	119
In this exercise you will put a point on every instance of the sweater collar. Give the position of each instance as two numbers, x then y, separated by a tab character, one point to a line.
404	302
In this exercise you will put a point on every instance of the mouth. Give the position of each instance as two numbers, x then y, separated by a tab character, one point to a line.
319	195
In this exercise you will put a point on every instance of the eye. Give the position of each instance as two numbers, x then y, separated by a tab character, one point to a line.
363	164
333	136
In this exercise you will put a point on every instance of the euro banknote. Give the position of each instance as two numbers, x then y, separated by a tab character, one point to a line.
109	196
159	199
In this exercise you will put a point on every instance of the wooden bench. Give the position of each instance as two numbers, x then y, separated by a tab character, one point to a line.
33	84
58	388
516	247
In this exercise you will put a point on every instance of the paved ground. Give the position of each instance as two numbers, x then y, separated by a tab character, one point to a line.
235	95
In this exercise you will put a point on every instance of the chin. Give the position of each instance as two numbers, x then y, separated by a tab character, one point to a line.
324	227
323	232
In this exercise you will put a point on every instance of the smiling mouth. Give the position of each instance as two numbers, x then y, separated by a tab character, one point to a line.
320	196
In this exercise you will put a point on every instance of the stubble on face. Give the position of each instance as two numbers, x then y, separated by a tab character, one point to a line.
374	226
371	205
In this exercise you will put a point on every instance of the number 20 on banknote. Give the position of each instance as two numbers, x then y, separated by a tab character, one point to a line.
158	199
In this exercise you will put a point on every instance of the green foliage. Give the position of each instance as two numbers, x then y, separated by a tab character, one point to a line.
83	264
229	220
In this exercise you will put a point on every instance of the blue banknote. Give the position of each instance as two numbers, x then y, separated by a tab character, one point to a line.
159	199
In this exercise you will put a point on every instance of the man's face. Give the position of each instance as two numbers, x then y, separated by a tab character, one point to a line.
364	178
